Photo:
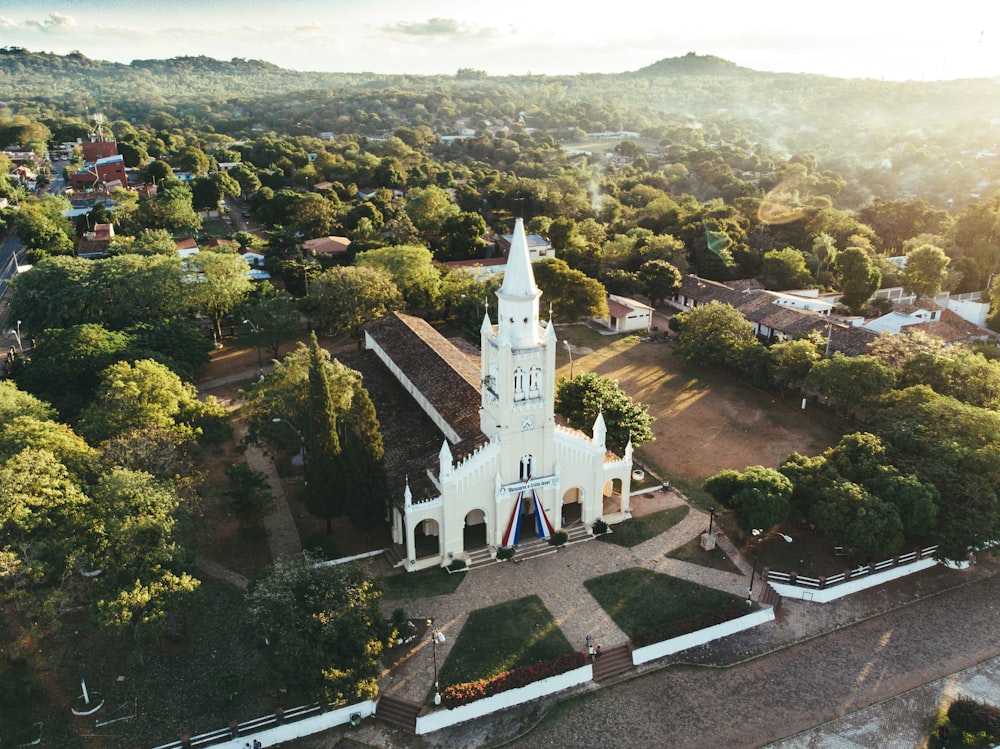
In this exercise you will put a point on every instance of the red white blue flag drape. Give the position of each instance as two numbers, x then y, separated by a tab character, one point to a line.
542	525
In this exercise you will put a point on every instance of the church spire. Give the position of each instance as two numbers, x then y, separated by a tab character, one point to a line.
517	312
518	278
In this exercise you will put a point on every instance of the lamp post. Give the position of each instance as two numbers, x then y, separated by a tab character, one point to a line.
570	352
437	636
256	332
302	441
711	518
17	334
761	537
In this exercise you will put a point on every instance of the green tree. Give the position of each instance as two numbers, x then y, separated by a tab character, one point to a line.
171	209
582	398
785	269
209	191
659	280
249	495
413	271
759	497
43	515
218	285
851	517
851	381
428	207
463	236
66	365
859	278
325	626
573	295
925	271
271	321
147	242
791	361
147	394
713	333
325	488
344	299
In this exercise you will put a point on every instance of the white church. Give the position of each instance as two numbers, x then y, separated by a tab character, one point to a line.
506	471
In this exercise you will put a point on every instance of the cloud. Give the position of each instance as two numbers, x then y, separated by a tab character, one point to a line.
54	22
440	27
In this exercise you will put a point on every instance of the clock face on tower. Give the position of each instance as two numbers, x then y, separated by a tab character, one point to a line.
527	423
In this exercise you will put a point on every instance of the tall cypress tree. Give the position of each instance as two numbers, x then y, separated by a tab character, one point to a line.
322	443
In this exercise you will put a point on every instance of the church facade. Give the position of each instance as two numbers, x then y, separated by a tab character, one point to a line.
506	470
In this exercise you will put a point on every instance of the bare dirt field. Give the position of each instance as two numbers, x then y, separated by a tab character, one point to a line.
706	420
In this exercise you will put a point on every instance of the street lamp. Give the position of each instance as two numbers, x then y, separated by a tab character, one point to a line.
761	537
256	332
437	636
570	352
302	440
711	518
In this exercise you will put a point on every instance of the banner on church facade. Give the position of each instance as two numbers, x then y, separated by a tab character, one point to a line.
543	482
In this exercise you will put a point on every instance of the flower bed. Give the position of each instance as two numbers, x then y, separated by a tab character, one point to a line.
701	620
470	691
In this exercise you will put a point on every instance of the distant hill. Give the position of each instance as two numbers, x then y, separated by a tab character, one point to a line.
235	95
692	64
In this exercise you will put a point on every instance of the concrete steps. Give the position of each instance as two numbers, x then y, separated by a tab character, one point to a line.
613	661
535	547
398	712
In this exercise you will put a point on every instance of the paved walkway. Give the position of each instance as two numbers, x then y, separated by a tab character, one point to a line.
820	664
282	534
558	580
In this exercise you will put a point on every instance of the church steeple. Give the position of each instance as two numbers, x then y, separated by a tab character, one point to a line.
518	296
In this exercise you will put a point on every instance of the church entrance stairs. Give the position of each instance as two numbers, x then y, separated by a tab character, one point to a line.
613	662
531	548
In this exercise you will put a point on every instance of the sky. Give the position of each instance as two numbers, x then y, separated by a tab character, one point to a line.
847	39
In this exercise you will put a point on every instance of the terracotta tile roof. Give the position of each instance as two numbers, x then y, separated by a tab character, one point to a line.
850	340
411	439
186	244
326	245
444	375
617	309
952	329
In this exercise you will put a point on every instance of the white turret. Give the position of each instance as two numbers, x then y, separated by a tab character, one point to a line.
600	430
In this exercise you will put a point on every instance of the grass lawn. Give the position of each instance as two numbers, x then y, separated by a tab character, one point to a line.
693	553
496	639
423	584
633	532
638	598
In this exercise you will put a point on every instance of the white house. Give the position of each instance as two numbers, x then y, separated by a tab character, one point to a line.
505	470
627	315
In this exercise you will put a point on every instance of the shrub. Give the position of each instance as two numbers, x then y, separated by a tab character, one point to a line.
321	544
600	527
559	538
970	716
457	565
470	691
505	552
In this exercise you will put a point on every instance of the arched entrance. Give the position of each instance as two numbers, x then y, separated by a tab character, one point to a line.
614	500
427	539
572	506
475	530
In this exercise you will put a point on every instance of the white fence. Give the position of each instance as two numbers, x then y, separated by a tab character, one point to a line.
702	636
826	589
296	723
438	719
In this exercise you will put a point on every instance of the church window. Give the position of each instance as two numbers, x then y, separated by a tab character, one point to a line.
526	462
519	384
534	382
